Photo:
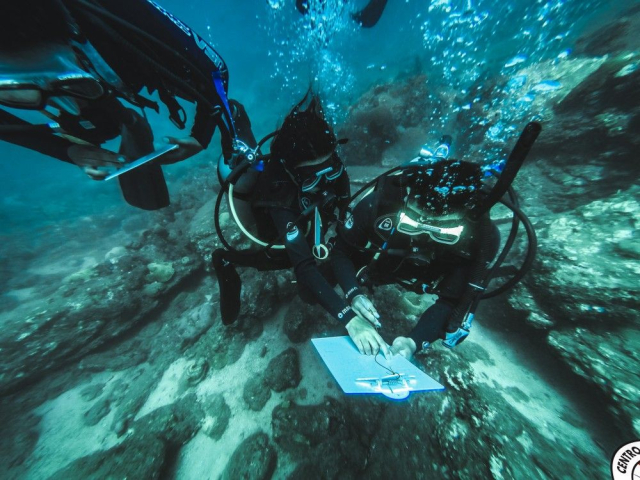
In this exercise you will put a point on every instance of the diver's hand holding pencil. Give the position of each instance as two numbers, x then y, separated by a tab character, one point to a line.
367	340
363	307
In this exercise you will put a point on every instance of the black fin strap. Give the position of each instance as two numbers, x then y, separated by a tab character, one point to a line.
177	115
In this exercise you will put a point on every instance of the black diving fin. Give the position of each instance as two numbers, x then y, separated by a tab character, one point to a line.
145	186
369	15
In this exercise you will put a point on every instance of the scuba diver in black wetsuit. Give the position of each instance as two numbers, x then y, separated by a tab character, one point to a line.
78	60
303	184
426	226
367	17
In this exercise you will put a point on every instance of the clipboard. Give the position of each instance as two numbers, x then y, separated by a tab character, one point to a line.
362	374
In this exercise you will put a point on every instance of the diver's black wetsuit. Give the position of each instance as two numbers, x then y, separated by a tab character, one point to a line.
177	63
416	262
278	202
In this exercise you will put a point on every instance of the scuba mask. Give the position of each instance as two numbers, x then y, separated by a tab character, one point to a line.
446	235
439	195
46	76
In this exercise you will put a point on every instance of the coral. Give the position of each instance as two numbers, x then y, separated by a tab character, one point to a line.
160	272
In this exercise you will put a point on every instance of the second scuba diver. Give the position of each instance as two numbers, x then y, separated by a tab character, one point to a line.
303	183
426	226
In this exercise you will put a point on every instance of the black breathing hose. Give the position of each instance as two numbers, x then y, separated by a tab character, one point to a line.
514	162
529	258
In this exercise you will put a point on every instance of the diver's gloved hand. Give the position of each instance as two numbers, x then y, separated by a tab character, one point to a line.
363	307
366	338
189	146
90	158
404	346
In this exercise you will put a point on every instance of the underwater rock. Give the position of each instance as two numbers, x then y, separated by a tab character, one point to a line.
588	145
175	424
192	325
581	248
196	371
283	371
609	361
134	354
382	117
223	345
308	471
217	417
97	412
115	253
399	309
323	435
264	292
619	35
130	396
468	431
104	302
255	393
17	447
254	459
594	329
606	88
92	392
303	321
140	457
298	428
160	272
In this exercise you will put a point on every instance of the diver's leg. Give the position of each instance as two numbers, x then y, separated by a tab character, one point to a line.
224	263
229	284
42	141
143	187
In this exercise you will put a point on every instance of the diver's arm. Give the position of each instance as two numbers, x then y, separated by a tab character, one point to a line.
88	157
344	270
342	262
361	331
351	235
40	141
431	327
432	323
306	270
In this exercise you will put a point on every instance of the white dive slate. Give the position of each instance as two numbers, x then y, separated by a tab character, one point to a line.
357	373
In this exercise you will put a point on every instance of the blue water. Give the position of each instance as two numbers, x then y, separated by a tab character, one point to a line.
273	55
